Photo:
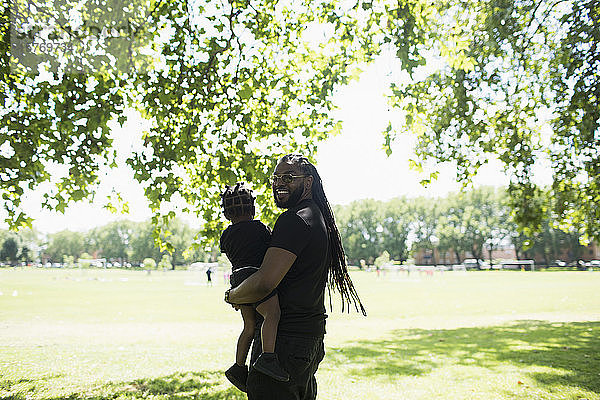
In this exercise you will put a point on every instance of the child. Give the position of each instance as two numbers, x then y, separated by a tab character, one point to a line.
245	242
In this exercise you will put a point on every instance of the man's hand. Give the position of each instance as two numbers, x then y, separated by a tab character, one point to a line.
275	265
236	307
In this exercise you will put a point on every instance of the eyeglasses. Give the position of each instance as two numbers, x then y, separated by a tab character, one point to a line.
285	178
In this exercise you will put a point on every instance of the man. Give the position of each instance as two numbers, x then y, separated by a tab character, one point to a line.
305	250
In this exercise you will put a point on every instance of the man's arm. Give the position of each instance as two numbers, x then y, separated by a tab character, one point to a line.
276	263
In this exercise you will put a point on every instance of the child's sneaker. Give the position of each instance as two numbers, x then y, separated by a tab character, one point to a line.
268	364
238	375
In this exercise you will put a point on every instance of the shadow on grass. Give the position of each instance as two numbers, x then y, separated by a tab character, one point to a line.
187	385
573	349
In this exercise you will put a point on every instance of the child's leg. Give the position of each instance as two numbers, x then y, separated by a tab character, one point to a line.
268	362
245	339
271	313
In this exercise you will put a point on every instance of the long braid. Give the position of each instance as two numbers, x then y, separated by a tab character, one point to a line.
338	276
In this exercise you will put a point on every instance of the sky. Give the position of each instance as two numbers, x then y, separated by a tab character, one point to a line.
352	165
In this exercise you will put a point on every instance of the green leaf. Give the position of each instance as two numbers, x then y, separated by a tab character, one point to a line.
245	93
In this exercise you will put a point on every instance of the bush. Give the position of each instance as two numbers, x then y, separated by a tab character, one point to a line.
165	262
85	260
149	263
382	260
223	261
69	261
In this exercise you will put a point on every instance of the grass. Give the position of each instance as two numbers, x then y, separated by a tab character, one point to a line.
95	334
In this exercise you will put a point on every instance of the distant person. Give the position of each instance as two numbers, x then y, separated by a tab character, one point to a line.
305	254
208	276
245	242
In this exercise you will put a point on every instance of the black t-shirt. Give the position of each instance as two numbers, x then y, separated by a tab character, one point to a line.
302	231
245	243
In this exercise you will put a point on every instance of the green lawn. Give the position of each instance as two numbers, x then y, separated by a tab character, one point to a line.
91	334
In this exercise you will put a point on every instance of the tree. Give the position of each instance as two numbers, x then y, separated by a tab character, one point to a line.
360	229
228	87
496	215
181	236
64	243
450	228
142	243
424	224
27	242
395	228
9	250
470	223
552	242
112	241
197	253
482	220
26	254
511	71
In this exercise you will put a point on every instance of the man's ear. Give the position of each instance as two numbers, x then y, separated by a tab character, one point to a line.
308	183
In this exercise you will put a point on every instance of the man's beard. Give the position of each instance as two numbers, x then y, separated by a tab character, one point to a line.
292	200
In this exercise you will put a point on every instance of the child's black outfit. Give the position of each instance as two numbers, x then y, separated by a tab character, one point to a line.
245	244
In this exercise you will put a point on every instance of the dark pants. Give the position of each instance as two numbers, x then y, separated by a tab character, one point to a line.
300	357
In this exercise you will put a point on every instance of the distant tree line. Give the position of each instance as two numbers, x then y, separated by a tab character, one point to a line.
471	222
120	241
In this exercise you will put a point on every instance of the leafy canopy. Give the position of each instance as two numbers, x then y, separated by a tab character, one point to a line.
517	80
228	87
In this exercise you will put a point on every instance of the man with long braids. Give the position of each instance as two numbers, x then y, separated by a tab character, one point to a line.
305	255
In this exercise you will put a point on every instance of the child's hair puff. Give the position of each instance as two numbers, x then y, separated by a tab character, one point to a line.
237	201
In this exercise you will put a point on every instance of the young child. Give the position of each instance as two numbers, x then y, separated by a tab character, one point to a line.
245	242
